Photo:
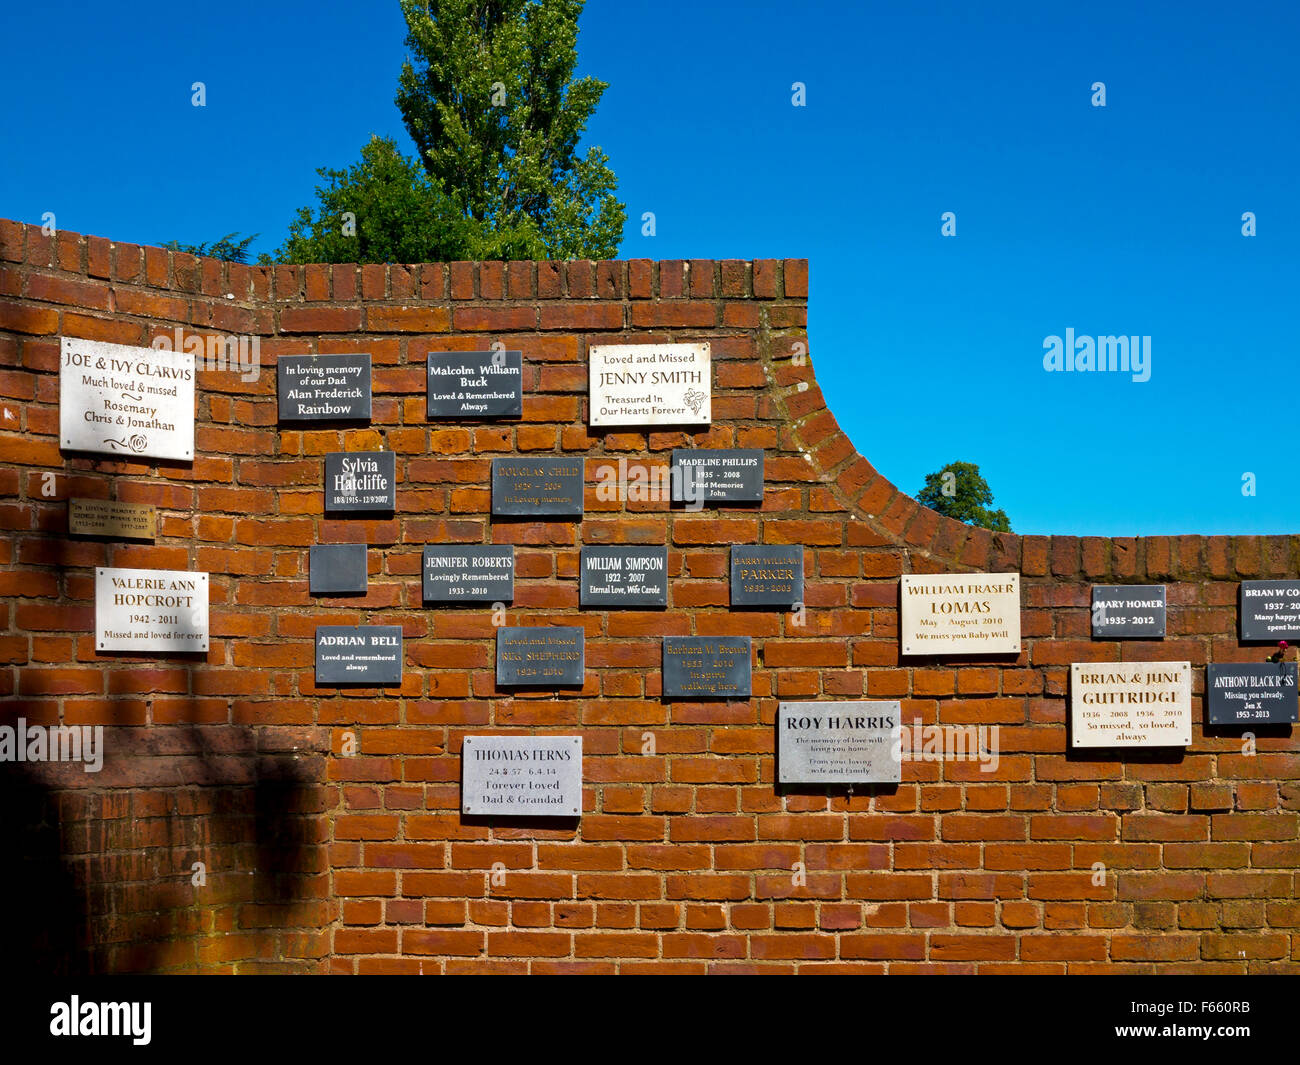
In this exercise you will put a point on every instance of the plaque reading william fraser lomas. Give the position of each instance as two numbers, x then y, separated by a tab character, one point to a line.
961	613
475	384
323	387
1131	704
521	776
540	655
1245	693
359	654
150	610
839	742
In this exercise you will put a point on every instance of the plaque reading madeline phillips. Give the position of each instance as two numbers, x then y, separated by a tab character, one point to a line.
1128	610
337	569
766	576
323	387
623	576
706	667
521	776
961	613
537	486
150	610
105	517
717	475
475	384
1251	693
126	401
650	384
839	743
540	655
1270	610
360	481
359	654
468	574
1131	704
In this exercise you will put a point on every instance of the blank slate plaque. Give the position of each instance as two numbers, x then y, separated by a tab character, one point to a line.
1270	610
522	487
766	576
839	742
338	569
521	776
623	576
360	481
706	667
323	387
461	573
540	656
359	654
1128	610
475	384
1251	693
717	475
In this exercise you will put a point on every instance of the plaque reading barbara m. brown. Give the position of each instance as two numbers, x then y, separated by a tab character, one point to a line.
839	742
1131	704
108	518
150	610
650	384
961	613
707	667
521	776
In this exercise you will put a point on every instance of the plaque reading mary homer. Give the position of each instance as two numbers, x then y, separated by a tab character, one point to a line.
650	384
521	776
707	667
961	613
323	387
537	486
359	654
839	743
1131	704
360	480
540	656
475	384
150	610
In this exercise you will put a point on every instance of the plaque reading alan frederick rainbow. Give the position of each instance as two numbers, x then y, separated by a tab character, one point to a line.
838	742
150	610
1131	704
961	613
521	776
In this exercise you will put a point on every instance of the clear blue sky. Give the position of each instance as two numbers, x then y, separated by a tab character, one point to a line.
1117	220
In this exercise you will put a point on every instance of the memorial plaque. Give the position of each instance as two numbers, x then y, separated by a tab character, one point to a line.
338	569
537	655
1270	610
707	667
359	654
766	576
470	573
1251	693
537	486
717	475
323	387
521	776
623	576
1128	610
839	742
363	481
150	610
475	384
961	613
650	384
126	401
1131	704
118	521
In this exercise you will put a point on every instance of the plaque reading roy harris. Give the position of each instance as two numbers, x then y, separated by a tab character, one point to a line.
323	387
521	776
1251	693
468	574
1270	610
338	569
475	384
650	384
537	486
623	576
707	667
359	654
118	521
1131	704
363	481
961	613
1128	610
150	610
540	656
717	475
839	743
766	576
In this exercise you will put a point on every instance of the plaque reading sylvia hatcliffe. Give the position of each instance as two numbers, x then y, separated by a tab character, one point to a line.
468	573
360	481
537	486
717	475
961	613
707	667
323	387
1270	610
521	776
839	742
766	576
1122	611
150	610
623	576
650	384
540	656
1131	704
1251	693
359	654
475	384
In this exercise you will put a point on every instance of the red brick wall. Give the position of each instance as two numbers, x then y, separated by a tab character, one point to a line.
683	859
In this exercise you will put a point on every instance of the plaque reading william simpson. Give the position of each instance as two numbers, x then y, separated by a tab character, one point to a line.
540	656
1131	704
839	743
961	613
150	610
650	384
521	776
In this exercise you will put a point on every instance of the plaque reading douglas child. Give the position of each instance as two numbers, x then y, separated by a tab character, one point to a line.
323	387
537	655
650	384
469	573
1251	693
839	742
360	481
623	576
118	521
1270	610
707	667
961	613
475	384
766	576
1131	704
537	486
150	610
521	776
359	654
1128	610
717	475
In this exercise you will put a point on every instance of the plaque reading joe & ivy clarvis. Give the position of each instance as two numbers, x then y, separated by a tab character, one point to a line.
766	576
717	475
650	384
960	613
1131	704
707	667
1251	693
839	742
475	384
323	387
360	481
468	573
521	776
1270	610
1128	610
369	655
150	610
623	576
538	486
337	569
540	656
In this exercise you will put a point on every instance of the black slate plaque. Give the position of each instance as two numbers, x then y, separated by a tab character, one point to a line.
475	384
1128	610
623	576
360	481
1270	610
338	569
323	387
540	656
1251	693
537	486
471	573
359	654
706	667
766	576
717	475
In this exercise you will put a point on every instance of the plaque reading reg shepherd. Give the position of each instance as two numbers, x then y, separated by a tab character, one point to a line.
540	656
650	384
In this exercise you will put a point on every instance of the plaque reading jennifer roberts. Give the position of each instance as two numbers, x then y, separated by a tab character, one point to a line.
521	776
1251	693
1270	610
838	743
542	656
650	384
475	384
126	401
961	613
469	573
150	610
323	387
1131	704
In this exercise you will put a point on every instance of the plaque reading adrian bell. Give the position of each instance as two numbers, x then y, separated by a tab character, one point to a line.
624	576
150	610
839	743
1251	693
539	656
126	401
650	384
476	384
1120	611
1270	610
469	574
717	475
323	387
766	576
521	776
707	667
523	487
359	654
961	613
364	481
1131	704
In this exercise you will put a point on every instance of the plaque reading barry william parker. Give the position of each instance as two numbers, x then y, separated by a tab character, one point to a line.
707	667
766	576
521	776
838	743
537	486
323	387
961	613
475	384
360	481
540	656
624	576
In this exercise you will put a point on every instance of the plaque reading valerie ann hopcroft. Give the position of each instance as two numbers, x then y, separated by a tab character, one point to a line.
961	613
707	667
1131	704
839	743
537	486
1246	693
323	387
467	573
150	610
475	384
1270	610
521	776
623	576
360	481
650	384
359	654
540	656
766	576
1128	610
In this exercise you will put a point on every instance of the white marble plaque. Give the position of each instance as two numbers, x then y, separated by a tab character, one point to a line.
650	384
961	613
126	401
521	776
1131	704
150	610
839	742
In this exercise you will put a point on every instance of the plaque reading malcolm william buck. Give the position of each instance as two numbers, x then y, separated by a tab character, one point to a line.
521	776
369	655
1270	610
540	656
150	610
650	384
623	576
839	742
475	384
1131	704
707	667
1251	693
363	481
961	613
1121	611
468	573
323	387
766	576
541	486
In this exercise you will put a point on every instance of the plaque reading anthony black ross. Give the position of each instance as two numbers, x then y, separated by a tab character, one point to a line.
706	667
469	574
624	576
717	475
1128	610
360	481
766	576
838	743
476	384
365	654
537	486
1270	610
521	776
540	656
1252	693
323	387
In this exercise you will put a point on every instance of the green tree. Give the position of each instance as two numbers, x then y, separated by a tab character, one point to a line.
958	491
228	248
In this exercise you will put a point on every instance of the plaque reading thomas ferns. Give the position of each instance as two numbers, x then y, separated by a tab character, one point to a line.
766	576
521	776
323	387
338	569
1251	693
359	654
363	481
537	486
126	401
1270	610
540	656
717	475
650	384
1131	704
475	384
468	574
839	743
707	667
150	610
961	613
623	576
118	521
